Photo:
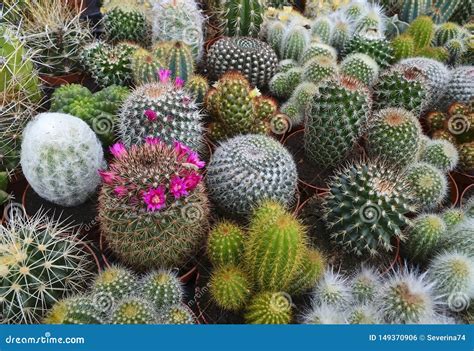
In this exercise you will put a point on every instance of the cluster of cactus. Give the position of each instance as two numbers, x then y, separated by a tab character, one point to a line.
249	169
43	261
117	296
150	191
162	110
240	18
259	270
98	110
253	58
127	24
236	108
60	156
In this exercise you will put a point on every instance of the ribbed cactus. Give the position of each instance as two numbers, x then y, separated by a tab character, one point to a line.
127	24
363	314
133	310
445	32
180	61
253	58
269	308
285	65
332	289
316	50
441	154
42	262
374	45
229	287
248	169
361	67
161	110
162	288
466	156
225	244
403	47
114	283
423	236
453	217
321	29
74	310
428	184
366	207
336	119
365	285
242	17
274	247
422	31
310	271
442	10
324	314
411	9
459	236
177	314
295	40
237	108
180	20
197	86
152	191
435	53
373	18
394	136
145	67
275	36
342	31
318	69
284	83
461	86
60	157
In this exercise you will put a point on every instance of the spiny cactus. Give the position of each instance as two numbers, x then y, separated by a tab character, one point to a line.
363	314
332	289
318	69
242	17
248	169
435	53
316	50
42	262
180	20
295	41
466	156
402	87
403	46
162	288
127	24
441	10
310	271
269	308
456	49
225	244
198	87
145	67
423	236
60	156
74	310
453	217
441	154
151	191
361	67
373	18
274	247
284	83
115	283
177	314
161	110
394	135
275	36
285	65
422	31
445	32
367	207
406	297
324	314
411	9
453	274
460	233
365	285
293	112
461	86
229	287
133	310
253	58
303	95
343	29
321	29
427	183
336	119
180	61
372	44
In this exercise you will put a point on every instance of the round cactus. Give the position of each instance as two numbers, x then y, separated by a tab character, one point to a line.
394	135
343	29
461	86
74	310
295	40
253	58
42	262
161	110
406	297
310	271
286	65
145	67
197	86
180	61
123	24
452	217
367	207
133	310
247	169
441	154
458	237
446	32
318	49
162	288
361	67
177	314
365	285
424	235
321	29
403	46
324	314
60	157
242	17
274	248
269	308
422	31
225	244
152	191
275	36
283	84
318	69
114	283
427	184
373	45
303	95
335	120
363	314
466	156
229	287
332	289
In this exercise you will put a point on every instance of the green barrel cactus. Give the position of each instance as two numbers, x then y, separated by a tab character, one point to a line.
422	31
295	40
177	314
229	287
133	310
242	18
445	32
318	49
180	61
283	84
114	283
225	244
428	184
74	310
361	67
269	308
365	285
318	69
403	47
441	154
198	87
423	236
372	44
162	288
127	24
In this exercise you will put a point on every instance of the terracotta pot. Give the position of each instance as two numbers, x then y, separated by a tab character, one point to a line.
55	81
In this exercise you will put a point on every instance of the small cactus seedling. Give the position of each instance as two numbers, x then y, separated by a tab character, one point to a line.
424	235
269	308
225	244
162	288
230	287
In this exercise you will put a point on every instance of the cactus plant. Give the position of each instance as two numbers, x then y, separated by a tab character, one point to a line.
247	169
145	67
403	47
372	44
242	18
285	65
284	83
332	289
225	244
466	156
373	18
367	207
423	237
324	314
318	69
114	283
162	288
441	154
321	29
60	156
74	310
127	24
316	50
459	235
151	191
441	10
363	314
198	87
330	146
133	310
342	31
461	86
274	248
295	41
177	314
40	265
361	67
427	183
303	95
310	271
253	58
365	285
269	308
229	287
445	32
180	20
180	61
161	110
422	31
275	36
453	217
412	9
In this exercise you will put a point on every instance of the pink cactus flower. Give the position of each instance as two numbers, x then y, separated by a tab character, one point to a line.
193	158
152	140
107	177
151	115
155	199
179	83
181	149
120	191
118	150
178	187
192	180
164	75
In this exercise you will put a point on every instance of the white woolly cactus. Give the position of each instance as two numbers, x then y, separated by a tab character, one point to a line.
60	158
332	289
324	314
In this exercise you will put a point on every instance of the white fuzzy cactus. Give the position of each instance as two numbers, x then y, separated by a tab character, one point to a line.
60	157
